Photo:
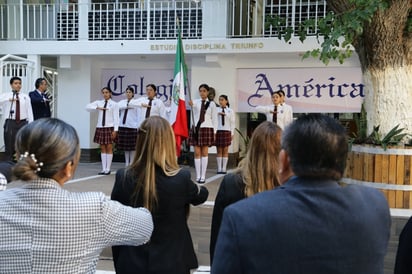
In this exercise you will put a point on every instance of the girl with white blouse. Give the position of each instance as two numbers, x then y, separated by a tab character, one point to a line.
106	128
128	124
224	135
202	136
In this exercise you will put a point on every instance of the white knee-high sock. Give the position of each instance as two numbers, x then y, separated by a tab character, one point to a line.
219	163
132	153
127	158
204	167
104	161
109	158
197	168
224	163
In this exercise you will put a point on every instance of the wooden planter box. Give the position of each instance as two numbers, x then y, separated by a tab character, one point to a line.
388	170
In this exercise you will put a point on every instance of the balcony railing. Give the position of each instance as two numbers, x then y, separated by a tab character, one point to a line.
151	19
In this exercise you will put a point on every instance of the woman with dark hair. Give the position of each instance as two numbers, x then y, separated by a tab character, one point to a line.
106	128
149	105
224	134
155	180
129	122
46	229
202	136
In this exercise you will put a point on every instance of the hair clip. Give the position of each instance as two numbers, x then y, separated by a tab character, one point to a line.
33	157
142	130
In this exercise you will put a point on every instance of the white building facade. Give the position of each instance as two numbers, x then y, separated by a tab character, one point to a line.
86	45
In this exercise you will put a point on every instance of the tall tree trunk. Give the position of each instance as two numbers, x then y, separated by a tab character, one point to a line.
385	53
388	99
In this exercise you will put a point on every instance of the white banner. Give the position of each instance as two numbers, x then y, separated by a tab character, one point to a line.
327	90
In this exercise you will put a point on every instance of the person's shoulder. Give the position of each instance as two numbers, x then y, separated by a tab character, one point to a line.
183	175
184	172
232	179
88	197
365	192
259	200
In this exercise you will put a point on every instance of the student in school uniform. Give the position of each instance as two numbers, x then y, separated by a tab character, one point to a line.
203	135
128	124
17	112
106	128
224	134
149	105
276	113
285	108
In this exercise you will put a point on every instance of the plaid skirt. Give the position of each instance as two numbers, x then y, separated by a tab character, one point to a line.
103	135
223	138
126	138
206	137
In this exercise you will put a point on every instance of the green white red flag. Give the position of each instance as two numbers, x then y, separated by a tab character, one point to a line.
178	115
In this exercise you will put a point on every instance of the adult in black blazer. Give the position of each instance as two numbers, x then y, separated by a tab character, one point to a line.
170	249
247	180
39	101
310	224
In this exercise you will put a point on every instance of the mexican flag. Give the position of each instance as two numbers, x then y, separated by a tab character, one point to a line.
178	117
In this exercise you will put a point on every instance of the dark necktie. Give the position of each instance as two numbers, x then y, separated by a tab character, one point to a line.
45	100
223	117
148	108
275	115
202	112
17	108
125	113
104	114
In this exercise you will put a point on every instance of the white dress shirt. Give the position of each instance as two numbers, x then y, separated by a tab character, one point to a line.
46	229
132	118
157	108
229	119
210	115
112	113
26	112
284	114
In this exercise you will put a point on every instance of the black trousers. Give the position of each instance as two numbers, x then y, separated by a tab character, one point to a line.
10	130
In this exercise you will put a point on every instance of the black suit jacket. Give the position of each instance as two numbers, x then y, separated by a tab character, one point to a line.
41	108
305	227
170	249
231	190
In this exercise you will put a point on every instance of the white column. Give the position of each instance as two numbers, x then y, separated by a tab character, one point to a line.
214	20
84	7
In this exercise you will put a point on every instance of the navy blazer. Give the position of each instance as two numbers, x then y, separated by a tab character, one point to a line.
170	249
41	108
305	226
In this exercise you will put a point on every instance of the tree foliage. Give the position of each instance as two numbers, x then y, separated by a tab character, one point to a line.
339	30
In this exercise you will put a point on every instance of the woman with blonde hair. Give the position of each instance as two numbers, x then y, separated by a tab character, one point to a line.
46	229
154	180
257	172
